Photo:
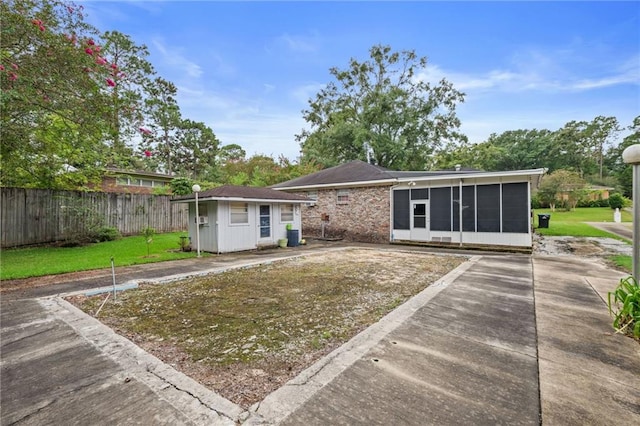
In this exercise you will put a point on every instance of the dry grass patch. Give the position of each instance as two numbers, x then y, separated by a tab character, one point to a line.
246	332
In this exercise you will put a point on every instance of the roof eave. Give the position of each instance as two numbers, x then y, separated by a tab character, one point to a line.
252	200
350	184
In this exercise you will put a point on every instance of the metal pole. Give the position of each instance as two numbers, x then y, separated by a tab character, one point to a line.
636	223
197	226
631	155
460	210
113	275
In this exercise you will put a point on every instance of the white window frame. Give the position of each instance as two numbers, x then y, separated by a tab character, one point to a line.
288	213
343	196
241	213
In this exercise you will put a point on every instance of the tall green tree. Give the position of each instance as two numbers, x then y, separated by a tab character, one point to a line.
601	132
510	150
50	105
381	108
128	80
196	151
160	135
613	159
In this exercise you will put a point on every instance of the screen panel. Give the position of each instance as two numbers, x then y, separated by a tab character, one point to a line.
440	209
488	208
401	212
515	208
420	194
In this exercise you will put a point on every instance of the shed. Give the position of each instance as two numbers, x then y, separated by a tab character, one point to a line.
235	218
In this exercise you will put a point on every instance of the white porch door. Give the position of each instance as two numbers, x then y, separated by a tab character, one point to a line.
420	220
264	221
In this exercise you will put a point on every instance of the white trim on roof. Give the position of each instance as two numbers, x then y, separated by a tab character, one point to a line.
427	178
350	184
249	200
457	176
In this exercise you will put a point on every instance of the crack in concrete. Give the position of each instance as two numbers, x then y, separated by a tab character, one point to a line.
191	394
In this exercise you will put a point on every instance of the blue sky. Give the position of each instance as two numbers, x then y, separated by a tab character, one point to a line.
247	69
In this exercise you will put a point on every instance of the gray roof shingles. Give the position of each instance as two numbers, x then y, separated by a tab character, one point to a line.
358	171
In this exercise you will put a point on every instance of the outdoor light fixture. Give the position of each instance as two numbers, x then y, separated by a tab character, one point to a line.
196	189
631	155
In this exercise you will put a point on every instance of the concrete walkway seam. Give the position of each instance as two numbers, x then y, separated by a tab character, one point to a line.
168	383
293	394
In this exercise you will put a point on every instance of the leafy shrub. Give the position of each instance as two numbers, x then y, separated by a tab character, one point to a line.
616	201
624	305
181	186
535	202
593	203
108	233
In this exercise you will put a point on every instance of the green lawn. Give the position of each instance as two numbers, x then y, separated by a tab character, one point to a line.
585	214
34	262
572	224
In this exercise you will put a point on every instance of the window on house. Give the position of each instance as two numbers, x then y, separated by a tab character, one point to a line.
312	195
122	181
343	196
146	182
239	213
286	213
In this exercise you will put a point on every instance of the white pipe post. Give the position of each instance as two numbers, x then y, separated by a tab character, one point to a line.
196	189
113	275
631	155
460	209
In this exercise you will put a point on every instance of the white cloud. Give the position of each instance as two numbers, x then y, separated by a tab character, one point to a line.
303	93
299	43
545	76
174	58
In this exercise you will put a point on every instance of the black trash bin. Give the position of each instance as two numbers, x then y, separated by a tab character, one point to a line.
293	237
543	220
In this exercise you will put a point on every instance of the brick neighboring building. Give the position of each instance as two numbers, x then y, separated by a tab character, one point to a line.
362	202
134	182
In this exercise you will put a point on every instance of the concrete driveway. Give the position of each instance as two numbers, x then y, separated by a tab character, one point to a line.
503	339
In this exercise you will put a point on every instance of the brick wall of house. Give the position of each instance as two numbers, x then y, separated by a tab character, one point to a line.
364	218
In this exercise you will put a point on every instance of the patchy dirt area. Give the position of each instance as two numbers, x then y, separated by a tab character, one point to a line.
591	247
244	333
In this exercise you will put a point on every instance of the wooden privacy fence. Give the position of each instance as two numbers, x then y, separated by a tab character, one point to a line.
36	216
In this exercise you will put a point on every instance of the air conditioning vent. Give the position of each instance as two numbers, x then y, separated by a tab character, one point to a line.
202	220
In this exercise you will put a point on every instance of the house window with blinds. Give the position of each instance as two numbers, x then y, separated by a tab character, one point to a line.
343	196
239	214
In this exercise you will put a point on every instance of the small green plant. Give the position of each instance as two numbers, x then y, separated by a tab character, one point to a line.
108	233
184	243
148	234
624	306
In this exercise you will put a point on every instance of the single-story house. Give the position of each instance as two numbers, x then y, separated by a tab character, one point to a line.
363	202
134	181
235	218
